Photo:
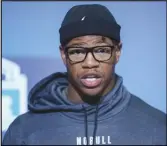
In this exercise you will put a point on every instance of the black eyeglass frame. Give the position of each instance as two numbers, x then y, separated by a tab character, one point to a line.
87	50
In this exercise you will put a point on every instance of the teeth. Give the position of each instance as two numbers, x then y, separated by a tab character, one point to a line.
90	79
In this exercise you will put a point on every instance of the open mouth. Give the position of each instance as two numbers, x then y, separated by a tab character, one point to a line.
91	80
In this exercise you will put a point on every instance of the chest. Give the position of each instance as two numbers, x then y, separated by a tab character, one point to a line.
75	134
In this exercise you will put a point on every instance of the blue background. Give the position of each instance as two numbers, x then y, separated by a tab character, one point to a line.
30	37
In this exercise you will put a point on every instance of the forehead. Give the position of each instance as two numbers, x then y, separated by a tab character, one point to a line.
90	40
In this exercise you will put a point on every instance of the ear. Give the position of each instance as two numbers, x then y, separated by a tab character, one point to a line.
118	52
63	56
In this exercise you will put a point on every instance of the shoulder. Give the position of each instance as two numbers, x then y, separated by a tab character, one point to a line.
149	118
22	121
14	134
30	121
146	110
23	126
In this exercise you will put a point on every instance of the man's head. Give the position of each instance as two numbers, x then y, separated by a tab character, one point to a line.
90	48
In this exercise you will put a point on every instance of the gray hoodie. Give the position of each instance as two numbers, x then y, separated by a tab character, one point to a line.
120	118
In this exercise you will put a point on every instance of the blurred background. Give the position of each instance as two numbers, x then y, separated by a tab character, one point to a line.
30	50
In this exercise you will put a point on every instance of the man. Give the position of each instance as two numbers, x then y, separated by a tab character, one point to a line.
89	104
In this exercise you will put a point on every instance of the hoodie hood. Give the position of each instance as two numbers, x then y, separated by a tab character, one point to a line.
48	96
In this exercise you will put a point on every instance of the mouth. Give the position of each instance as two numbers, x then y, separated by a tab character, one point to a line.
91	80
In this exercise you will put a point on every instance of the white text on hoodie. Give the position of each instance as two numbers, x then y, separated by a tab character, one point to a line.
101	140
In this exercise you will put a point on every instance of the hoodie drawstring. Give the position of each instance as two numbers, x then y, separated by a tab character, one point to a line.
86	124
95	125
95	128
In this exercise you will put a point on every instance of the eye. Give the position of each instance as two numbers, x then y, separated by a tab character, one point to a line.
103	50
76	51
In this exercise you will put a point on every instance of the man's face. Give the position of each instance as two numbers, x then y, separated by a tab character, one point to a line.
90	77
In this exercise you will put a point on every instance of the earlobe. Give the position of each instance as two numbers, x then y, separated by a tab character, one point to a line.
118	54
120	45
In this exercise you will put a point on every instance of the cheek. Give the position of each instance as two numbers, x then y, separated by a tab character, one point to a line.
72	70
108	69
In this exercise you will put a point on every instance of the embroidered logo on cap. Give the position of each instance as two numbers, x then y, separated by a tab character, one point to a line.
83	18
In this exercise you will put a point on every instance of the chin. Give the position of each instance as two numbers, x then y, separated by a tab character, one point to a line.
92	92
91	96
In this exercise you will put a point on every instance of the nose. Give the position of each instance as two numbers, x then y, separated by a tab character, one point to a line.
90	61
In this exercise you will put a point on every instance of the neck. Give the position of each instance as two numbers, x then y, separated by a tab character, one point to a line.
75	97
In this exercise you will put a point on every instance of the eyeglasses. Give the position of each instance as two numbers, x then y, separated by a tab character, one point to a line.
79	54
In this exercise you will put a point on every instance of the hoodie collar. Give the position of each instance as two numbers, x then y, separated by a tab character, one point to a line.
47	95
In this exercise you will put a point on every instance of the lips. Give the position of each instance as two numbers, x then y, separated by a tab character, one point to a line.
91	80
